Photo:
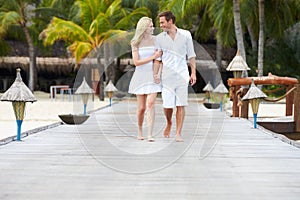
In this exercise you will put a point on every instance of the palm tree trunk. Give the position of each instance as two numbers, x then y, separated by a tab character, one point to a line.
261	37
101	73
219	54
31	59
239	31
252	37
238	28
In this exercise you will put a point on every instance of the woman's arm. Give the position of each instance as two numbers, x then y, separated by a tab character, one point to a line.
138	62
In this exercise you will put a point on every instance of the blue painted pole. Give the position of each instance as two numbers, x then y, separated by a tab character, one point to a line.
109	101
19	124
255	117
84	109
208	100
221	106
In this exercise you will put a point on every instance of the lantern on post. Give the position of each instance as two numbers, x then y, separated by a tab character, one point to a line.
221	90
237	65
84	90
208	88
18	94
254	95
110	89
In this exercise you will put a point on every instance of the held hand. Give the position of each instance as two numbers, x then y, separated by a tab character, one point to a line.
193	79
156	78
158	53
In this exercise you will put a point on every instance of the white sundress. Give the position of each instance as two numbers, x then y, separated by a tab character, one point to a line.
142	81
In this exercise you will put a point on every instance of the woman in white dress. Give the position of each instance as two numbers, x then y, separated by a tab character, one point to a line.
142	82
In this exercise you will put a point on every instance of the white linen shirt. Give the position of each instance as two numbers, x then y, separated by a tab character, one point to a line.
175	53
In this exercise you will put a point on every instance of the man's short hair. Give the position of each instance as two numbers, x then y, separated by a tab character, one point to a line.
168	15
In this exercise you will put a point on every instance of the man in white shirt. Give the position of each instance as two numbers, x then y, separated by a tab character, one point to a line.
177	46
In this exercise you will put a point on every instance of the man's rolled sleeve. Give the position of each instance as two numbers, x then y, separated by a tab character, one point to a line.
190	47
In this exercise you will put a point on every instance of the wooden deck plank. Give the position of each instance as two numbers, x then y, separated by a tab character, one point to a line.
221	158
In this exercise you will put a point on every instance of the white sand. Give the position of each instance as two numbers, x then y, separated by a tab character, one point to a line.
43	112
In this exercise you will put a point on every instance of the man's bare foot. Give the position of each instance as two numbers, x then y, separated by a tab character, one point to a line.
151	139
178	138
167	130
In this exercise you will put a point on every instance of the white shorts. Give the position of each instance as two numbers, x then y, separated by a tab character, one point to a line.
174	93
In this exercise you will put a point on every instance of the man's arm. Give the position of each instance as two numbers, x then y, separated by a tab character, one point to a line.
193	77
157	68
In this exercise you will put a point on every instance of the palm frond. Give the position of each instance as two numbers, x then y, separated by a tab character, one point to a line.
8	19
89	9
80	50
60	29
99	25
129	21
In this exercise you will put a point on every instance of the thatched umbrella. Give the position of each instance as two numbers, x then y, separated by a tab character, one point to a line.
110	89
18	94
221	90
237	65
254	95
208	88
84	90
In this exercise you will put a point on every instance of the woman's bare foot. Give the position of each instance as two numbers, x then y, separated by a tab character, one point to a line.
140	137
178	138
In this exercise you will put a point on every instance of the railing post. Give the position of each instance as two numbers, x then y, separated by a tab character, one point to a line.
245	109
289	102
297	108
235	108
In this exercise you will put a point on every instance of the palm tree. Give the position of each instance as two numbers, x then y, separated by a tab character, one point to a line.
18	13
99	20
268	20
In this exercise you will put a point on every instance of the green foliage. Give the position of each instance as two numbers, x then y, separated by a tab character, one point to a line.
274	90
283	57
5	48
98	20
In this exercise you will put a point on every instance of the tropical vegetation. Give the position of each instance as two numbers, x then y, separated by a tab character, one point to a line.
267	32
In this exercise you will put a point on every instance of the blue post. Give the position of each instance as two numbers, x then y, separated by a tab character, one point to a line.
221	106
109	101
84	109
208	100
255	117
19	124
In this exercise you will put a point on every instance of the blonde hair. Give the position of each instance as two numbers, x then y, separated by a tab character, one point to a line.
141	27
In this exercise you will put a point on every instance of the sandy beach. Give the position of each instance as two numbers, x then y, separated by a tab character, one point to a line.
43	112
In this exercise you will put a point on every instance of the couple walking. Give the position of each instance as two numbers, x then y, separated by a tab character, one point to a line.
161	67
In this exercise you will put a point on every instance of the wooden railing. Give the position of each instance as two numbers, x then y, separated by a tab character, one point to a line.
291	97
